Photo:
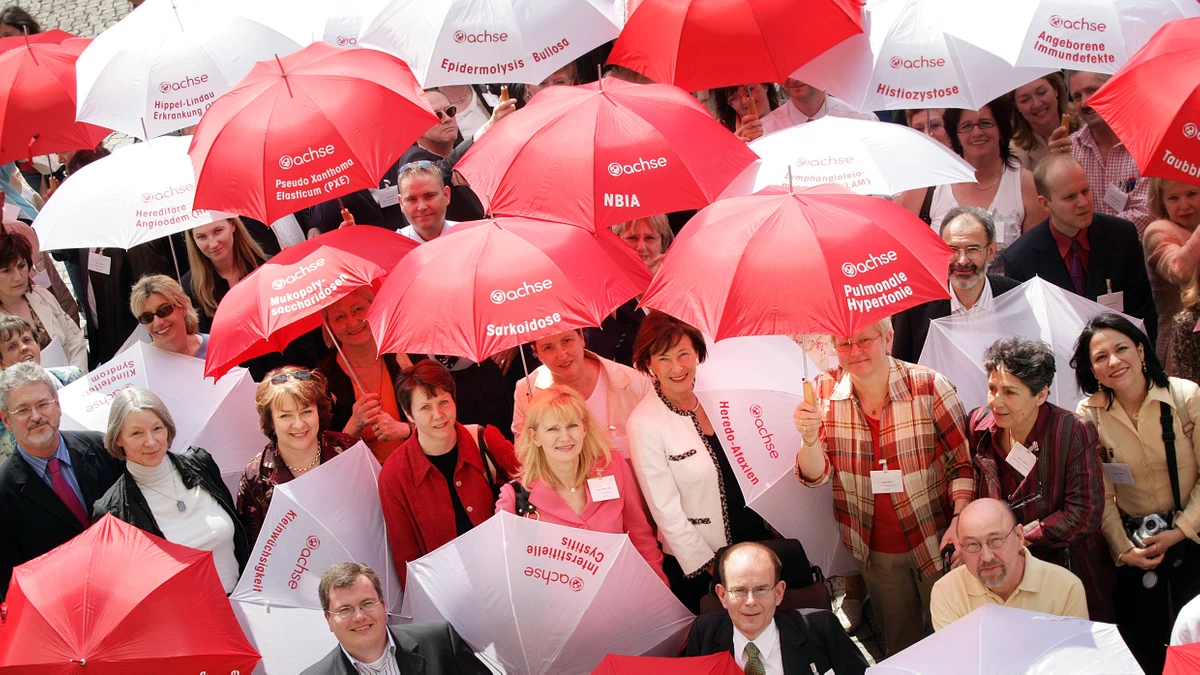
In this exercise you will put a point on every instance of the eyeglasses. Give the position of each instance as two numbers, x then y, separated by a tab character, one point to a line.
299	376
968	127
861	343
993	543
419	164
972	251
162	312
447	114
346	612
741	593
42	409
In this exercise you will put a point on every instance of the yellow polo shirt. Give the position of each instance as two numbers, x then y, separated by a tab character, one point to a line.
1045	587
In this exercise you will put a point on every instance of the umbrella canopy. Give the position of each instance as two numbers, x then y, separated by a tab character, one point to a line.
713	664
547	598
736	267
1182	659
283	298
1038	310
306	128
528	279
604	153
37	97
750	387
675	41
482	41
326	516
996	640
870	158
161	67
117	600
1160	126
217	416
341	23
139	193
905	59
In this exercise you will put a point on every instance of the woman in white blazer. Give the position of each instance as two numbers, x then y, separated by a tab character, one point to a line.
687	481
21	297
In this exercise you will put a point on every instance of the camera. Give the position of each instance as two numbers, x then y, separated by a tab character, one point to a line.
1148	527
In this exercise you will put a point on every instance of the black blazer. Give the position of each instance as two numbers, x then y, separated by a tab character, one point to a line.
912	325
33	520
807	636
429	647
126	501
1115	254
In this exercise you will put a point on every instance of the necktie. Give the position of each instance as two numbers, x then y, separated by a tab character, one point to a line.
754	664
63	489
1075	265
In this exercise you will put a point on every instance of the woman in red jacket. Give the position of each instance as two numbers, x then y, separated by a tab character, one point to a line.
440	483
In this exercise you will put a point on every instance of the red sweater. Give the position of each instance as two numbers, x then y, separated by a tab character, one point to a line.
416	502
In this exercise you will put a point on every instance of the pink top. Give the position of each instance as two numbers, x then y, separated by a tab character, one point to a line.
624	515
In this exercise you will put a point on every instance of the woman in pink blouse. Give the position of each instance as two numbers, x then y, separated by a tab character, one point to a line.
569	476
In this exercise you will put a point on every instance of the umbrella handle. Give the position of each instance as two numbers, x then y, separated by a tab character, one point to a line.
338	347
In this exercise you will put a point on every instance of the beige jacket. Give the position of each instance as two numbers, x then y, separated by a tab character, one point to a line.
58	325
626	387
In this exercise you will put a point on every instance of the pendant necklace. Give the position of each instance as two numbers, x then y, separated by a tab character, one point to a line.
178	502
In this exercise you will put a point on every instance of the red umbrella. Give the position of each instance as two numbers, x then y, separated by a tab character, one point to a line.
714	664
301	130
118	601
37	97
282	299
1159	125
823	260
604	153
703	44
494	284
1182	660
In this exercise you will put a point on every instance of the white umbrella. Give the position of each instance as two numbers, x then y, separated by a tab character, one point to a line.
1092	35
546	598
481	41
904	59
870	158
219	417
327	516
158	69
996	640
1037	309
750	387
338	23
139	193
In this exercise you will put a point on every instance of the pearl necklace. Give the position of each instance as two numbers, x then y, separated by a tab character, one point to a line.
297	472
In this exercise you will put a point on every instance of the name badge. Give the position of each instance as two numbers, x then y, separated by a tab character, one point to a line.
603	488
1117	474
99	263
887	482
388	196
1113	301
1021	459
1115	198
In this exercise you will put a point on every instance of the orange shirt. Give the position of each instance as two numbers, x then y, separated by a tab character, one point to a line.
387	396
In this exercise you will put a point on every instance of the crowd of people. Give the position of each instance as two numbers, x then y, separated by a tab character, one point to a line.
1083	513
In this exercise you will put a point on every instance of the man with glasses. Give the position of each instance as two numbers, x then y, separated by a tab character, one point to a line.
352	598
763	640
998	569
48	486
970	232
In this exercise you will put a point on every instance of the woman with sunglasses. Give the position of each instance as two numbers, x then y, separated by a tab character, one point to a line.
159	303
294	411
1044	462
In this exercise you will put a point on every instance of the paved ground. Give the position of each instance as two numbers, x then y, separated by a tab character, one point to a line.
86	18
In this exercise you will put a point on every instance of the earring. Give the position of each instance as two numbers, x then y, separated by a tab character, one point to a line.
1143	366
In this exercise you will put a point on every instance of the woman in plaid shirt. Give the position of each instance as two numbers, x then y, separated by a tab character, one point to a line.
878	417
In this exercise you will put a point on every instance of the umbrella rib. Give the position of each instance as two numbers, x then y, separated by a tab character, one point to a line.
511	595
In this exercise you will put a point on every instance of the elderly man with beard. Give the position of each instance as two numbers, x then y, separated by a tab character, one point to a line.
998	569
970	232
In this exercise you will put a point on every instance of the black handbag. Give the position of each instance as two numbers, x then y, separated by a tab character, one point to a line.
525	508
492	471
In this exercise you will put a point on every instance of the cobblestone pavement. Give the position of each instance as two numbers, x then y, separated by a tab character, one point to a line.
86	18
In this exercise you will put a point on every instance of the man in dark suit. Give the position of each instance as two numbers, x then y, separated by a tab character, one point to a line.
49	484
352	598
1087	253
765	641
970	232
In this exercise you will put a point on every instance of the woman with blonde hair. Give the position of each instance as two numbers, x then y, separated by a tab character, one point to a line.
159	303
1038	107
1185	341
220	254
1172	250
570	477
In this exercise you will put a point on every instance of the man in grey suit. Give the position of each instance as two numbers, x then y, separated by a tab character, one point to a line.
352	598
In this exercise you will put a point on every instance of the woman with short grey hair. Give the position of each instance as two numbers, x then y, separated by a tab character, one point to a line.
1044	462
182	499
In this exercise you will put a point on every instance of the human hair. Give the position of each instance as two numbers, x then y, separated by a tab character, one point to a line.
128	400
363	292
17	17
22	374
1030	361
345	574
1081	360
14	247
884	325
82	158
1001	112
1068	74
429	376
658	223
420	171
775	561
981	216
12	325
658	333
725	113
314	391
1190	294
1041	173
563	404
171	291
1022	131
1156	202
913	112
247	256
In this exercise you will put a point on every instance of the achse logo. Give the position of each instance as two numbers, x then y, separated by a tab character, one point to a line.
499	297
482	36
823	161
342	40
186	82
173	191
300	273
618	169
1189	130
1081	23
872	262
917	63
288	161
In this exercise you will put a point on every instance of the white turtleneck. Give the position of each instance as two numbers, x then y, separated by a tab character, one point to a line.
204	525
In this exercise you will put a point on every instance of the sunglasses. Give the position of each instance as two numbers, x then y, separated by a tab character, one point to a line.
162	312
419	164
299	376
447	114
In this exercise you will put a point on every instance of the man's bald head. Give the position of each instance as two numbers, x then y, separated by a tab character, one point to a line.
986	511
1049	168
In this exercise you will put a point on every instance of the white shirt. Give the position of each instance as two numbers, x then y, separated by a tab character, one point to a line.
471	115
411	232
597	403
1187	624
984	301
384	665
788	115
768	649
